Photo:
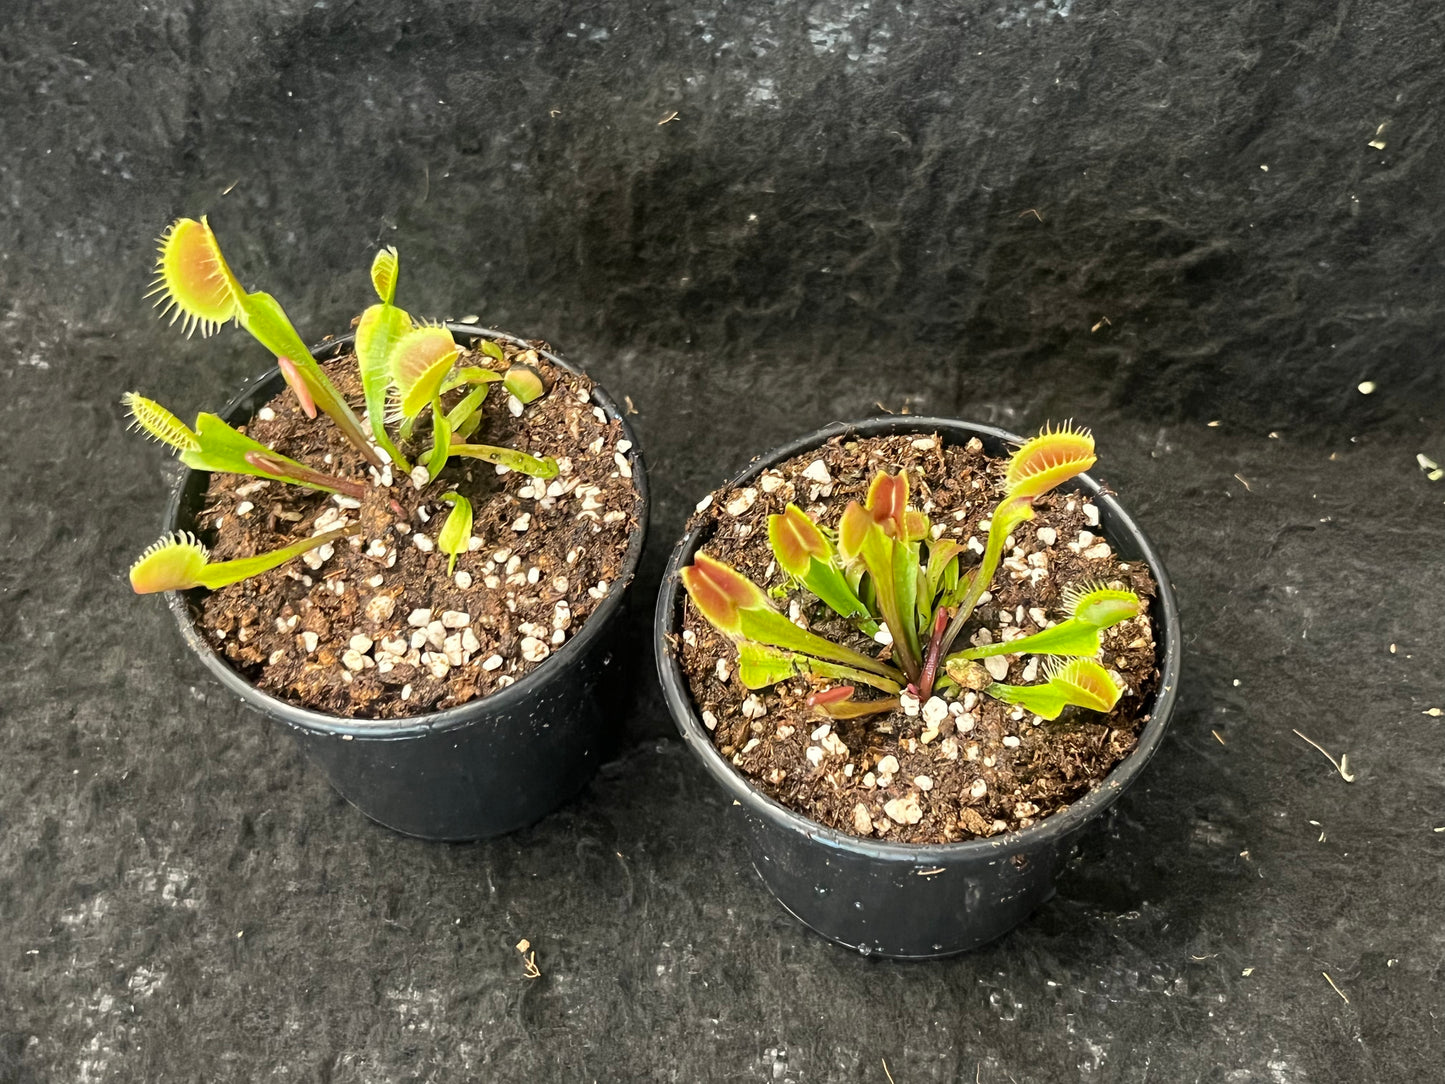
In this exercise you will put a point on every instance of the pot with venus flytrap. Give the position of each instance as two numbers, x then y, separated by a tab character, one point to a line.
919	655
420	597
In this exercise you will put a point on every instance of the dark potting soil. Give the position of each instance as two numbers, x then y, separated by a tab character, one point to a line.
373	626
991	768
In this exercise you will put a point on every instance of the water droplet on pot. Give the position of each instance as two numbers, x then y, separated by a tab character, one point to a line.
937	948
858	904
820	890
865	950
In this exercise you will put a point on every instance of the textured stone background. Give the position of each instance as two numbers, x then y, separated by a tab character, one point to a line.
927	206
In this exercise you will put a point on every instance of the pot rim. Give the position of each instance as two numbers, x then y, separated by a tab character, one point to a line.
462	714
1051	830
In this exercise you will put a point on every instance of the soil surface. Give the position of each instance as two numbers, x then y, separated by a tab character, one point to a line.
373	625
986	767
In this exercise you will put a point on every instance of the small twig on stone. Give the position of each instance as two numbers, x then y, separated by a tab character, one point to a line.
1342	765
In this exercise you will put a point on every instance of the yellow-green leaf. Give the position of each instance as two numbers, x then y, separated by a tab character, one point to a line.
525	383
456	533
521	462
385	268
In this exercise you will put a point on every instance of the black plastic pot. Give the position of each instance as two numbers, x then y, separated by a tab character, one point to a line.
914	901
477	770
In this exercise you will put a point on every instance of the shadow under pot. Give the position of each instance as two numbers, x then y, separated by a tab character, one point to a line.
476	770
914	900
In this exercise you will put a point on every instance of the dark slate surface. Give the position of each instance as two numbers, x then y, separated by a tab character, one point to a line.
842	215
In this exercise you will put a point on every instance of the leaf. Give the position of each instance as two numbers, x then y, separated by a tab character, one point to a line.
838	703
829	584
456	534
297	384
471	374
521	462
380	329
823	669
275	466
222	448
193	282
905	588
1052	457
462	413
193	278
1079	682
1065	638
264	318
492	349
441	432
892	569
1007	516
385	269
419	363
767	626
525	383
179	562
916	526
942	563
1094	609
853	528
760	666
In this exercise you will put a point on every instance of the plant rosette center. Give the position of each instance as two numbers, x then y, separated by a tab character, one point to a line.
974	756
396	618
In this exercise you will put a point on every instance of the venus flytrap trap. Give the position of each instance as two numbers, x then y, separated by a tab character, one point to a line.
1078	682
179	562
890	576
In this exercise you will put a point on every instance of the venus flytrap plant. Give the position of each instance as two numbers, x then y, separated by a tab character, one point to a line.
883	566
401	365
179	562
